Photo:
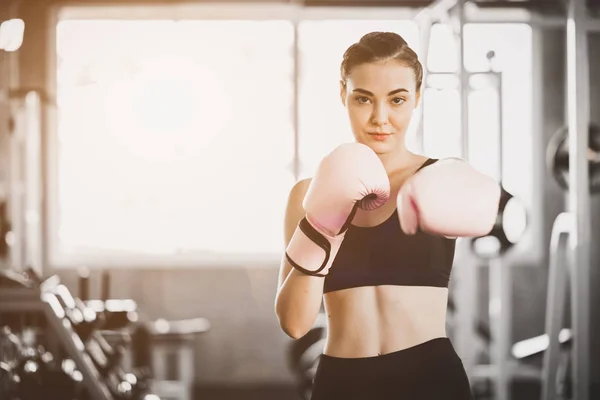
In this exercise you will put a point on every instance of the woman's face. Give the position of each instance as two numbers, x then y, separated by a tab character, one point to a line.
380	99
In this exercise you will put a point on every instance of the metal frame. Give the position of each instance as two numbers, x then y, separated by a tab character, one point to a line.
555	306
570	257
573	228
578	120
25	200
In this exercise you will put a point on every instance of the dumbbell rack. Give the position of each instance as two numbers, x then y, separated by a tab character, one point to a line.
44	299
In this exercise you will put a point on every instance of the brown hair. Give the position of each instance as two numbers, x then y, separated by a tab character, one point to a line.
381	46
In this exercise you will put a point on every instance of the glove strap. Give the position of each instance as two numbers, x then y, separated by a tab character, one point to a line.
320	241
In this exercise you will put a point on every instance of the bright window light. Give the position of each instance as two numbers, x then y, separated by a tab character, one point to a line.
173	137
511	49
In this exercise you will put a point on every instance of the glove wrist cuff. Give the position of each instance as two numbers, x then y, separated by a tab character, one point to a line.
310	251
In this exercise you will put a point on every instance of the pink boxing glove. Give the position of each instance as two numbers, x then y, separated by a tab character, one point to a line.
350	176
449	198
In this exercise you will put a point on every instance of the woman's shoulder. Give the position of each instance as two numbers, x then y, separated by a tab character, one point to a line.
297	193
300	188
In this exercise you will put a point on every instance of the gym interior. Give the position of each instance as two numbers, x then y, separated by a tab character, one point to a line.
132	268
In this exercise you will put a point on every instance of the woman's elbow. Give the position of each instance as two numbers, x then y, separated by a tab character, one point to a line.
293	331
291	326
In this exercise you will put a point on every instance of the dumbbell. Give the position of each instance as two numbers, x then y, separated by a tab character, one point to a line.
14	280
84	321
114	314
50	376
9	382
42	375
33	276
142	387
557	157
131	387
32	373
124	386
92	315
10	345
95	315
32	369
96	346
68	381
86	324
10	354
106	358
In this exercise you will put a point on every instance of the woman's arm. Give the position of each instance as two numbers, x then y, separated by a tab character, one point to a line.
299	296
350	176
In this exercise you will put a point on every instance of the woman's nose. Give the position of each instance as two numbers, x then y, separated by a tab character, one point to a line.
379	116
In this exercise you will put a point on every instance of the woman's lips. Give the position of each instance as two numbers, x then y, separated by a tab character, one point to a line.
379	135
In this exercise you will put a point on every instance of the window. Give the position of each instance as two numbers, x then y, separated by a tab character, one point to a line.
441	122
441	98
174	143
443	49
512	55
512	47
178	144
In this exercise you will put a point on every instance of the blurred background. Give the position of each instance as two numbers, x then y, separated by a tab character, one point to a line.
147	149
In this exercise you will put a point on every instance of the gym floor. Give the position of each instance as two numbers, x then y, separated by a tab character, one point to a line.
115	205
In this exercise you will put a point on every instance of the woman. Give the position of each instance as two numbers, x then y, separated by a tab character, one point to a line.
372	233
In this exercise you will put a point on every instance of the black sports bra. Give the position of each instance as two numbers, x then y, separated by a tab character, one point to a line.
384	255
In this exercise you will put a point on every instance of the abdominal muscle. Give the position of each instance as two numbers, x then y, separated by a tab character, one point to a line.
376	320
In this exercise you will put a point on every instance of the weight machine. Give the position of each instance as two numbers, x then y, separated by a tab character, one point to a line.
571	261
570	255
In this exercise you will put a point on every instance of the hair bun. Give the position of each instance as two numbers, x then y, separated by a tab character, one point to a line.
383	41
378	46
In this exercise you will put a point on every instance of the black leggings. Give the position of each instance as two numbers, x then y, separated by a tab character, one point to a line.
429	371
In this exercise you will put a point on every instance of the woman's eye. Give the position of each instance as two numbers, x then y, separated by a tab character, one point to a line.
398	100
362	99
